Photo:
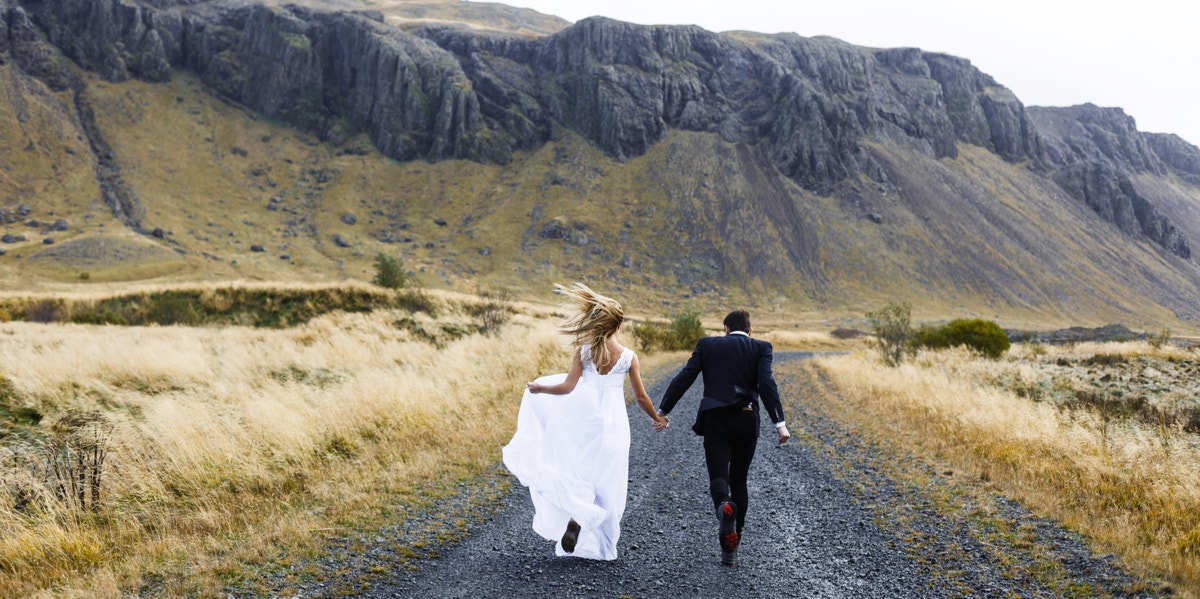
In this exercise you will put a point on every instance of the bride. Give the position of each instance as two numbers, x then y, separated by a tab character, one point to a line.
571	448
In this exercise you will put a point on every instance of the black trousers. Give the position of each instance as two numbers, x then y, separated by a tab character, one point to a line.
730	437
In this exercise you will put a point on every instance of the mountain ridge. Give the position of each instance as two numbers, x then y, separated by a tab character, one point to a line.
836	121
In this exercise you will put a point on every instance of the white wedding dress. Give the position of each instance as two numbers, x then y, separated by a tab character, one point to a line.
572	451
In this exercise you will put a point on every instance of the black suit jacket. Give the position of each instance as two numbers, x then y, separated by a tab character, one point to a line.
729	364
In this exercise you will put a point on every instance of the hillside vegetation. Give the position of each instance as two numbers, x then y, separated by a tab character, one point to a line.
170	179
221	183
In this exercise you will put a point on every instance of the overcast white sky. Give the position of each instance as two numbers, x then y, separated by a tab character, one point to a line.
1141	55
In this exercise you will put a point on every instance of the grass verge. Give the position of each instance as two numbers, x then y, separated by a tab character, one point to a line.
1128	487
237	453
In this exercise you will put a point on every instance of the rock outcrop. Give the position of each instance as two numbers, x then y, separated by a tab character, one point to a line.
1177	154
442	91
1093	152
445	92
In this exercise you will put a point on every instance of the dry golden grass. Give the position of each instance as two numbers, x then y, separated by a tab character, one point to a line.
233	446
812	341
1133	489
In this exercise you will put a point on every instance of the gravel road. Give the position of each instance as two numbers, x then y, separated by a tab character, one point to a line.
815	529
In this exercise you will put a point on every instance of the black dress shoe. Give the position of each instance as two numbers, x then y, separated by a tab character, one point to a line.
729	558
570	537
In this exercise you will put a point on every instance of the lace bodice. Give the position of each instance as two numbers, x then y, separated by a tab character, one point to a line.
614	377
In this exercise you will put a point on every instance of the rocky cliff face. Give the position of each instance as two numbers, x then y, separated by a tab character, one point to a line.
1093	152
442	92
1177	154
455	93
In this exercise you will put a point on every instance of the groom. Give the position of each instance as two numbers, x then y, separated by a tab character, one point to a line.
737	373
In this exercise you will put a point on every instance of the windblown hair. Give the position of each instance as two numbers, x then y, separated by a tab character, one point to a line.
591	319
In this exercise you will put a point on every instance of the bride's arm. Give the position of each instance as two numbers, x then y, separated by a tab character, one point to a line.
567	385
643	399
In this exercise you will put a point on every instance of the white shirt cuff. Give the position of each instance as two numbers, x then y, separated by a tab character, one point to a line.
781	424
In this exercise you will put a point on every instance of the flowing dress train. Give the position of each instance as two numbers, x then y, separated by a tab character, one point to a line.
572	452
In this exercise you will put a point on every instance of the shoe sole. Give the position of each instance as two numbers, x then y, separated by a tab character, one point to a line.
570	537
729	558
728	534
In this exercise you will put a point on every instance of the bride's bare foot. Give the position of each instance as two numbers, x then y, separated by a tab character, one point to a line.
570	537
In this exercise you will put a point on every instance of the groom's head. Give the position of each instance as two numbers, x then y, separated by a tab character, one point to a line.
738	320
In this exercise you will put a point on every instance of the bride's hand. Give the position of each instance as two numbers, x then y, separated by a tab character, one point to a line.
534	387
661	423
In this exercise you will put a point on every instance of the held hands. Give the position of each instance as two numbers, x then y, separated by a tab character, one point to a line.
661	422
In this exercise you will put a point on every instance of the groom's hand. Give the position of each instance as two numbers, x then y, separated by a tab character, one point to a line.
784	435
661	423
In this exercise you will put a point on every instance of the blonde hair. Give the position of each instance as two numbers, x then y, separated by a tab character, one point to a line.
591	319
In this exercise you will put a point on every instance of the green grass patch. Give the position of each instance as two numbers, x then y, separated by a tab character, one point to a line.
257	307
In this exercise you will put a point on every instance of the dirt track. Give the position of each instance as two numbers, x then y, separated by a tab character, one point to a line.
823	522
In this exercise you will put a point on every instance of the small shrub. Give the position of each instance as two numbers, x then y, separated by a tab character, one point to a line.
983	336
45	311
173	307
493	312
681	333
686	330
75	455
4	315
649	336
893	330
1157	341
389	272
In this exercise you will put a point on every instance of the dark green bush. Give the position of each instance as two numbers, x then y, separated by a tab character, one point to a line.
649	336
98	317
686	330
389	272
680	334
174	307
984	336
